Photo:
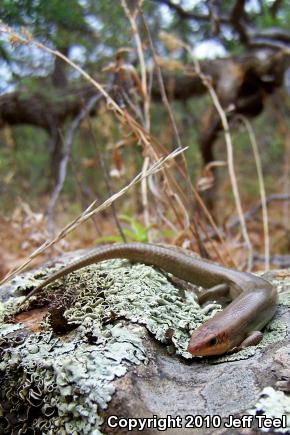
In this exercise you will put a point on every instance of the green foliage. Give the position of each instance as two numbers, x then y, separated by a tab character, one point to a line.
40	15
23	165
267	19
90	26
135	233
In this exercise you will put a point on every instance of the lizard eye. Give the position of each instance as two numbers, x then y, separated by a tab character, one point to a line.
213	341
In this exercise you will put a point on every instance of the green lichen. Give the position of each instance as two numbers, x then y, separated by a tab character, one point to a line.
284	296
274	404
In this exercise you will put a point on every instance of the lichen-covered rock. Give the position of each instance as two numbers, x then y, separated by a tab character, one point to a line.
63	361
274	404
55	385
52	384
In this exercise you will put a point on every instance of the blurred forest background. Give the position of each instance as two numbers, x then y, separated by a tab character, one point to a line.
212	77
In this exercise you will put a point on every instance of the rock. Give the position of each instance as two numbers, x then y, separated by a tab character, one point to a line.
104	350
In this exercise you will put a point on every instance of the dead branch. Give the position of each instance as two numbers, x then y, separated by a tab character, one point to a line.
65	156
276	197
281	261
237	18
184	14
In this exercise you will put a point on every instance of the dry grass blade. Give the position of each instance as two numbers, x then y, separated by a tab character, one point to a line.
202	249
92	210
146	107
232	174
261	187
230	155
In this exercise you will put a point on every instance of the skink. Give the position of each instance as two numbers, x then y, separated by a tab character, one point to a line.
237	326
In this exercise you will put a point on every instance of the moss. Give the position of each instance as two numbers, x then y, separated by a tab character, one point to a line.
274	404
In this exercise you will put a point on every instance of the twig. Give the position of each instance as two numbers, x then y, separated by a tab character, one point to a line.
132	19
232	174
146	108
84	192
144	196
201	247
229	145
275	197
63	163
282	261
91	211
262	187
106	179
185	14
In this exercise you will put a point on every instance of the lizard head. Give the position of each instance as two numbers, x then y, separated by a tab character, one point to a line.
205	342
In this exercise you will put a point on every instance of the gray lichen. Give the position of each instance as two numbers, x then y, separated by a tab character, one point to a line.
143	295
51	385
273	404
57	385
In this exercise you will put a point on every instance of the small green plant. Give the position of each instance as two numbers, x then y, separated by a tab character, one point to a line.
136	232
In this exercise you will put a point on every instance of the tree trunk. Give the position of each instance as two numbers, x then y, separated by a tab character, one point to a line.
59	79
